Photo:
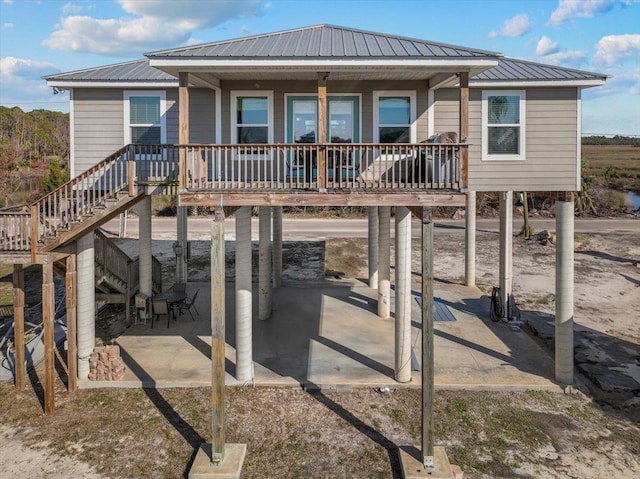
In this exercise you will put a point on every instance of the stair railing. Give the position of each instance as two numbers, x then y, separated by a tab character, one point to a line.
111	257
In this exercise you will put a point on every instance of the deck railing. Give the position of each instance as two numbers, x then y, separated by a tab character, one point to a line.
336	166
15	231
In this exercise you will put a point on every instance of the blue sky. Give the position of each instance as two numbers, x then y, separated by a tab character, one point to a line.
39	37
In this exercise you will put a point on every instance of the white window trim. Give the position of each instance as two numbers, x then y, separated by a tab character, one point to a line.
235	94
522	125
377	94
127	113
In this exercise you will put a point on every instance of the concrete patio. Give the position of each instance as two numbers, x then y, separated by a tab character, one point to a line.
328	335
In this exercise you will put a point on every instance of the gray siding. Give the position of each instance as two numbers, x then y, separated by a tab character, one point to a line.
551	142
99	122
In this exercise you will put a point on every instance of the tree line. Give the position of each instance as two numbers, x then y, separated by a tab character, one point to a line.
618	140
34	153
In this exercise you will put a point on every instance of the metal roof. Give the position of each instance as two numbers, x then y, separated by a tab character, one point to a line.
511	69
325	42
136	71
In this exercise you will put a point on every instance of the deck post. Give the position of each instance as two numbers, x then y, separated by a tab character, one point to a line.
373	246
183	126
464	129
244	296
564	288
470	240
18	327
277	246
217	338
506	253
384	259
72	345
48	319
403	295
144	243
265	274
322	130
86	302
181	244
427	339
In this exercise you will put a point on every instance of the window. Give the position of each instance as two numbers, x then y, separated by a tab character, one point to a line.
252	117
145	117
395	117
503	114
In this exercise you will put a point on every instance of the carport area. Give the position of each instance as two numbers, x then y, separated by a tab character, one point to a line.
328	335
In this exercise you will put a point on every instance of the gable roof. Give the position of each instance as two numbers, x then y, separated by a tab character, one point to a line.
322	41
135	71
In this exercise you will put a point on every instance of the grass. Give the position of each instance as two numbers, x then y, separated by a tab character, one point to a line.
616	167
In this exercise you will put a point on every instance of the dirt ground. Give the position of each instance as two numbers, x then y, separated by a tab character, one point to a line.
292	433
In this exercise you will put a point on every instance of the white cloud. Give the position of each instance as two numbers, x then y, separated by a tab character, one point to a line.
6	26
571	58
8	2
21	77
71	8
245	30
513	27
158	24
613	48
569	9
546	46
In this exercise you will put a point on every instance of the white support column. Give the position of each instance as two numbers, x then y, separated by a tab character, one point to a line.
181	251
86	302
144	243
277	246
564	289
265	272
373	246
384	260
403	295
470	240
244	296
506	253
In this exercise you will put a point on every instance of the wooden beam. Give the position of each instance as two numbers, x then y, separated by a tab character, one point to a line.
322	130
72	340
183	125
323	199
131	170
427	339
464	128
48	318
18	327
217	338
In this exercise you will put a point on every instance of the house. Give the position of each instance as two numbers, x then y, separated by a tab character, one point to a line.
323	115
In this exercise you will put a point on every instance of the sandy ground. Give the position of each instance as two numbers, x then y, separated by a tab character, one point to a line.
607	294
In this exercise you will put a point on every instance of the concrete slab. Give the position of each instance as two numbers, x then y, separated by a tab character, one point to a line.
229	468
412	467
328	335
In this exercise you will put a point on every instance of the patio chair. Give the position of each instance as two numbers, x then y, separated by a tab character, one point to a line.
160	307
190	303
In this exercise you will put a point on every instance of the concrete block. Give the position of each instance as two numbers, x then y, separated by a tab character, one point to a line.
412	467
229	468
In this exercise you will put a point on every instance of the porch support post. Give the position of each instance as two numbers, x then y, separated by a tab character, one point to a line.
506	254
564	288
384	259
403	295
322	130
144	243
464	129
265	273
183	126
470	240
427	339
48	318
217	338
72	344
181	250
20	373
373	246
277	246
244	296
86	307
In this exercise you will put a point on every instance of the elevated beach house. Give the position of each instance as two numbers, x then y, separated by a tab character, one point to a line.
323	115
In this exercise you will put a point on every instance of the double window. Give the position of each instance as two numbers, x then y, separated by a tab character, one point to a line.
145	117
503	125
251	117
394	117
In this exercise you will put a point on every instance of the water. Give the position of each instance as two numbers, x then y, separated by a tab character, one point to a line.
635	199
